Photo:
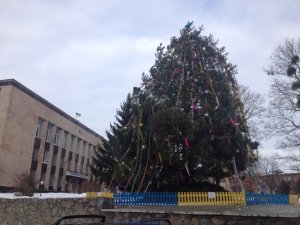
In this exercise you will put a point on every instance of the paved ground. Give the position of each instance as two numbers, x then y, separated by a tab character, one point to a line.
267	210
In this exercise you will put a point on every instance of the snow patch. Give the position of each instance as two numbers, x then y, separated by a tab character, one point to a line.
45	195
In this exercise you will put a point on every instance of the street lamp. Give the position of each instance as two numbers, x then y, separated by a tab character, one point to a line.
41	186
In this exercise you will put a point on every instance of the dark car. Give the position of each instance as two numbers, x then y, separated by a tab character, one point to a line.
100	220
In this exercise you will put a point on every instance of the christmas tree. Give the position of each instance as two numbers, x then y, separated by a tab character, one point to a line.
183	125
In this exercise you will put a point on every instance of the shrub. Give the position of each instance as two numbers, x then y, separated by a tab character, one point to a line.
25	184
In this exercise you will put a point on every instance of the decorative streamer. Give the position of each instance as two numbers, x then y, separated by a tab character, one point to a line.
181	83
140	136
137	151
160	157
146	189
234	167
181	175
236	174
187	169
176	70
217	102
186	144
148	156
158	172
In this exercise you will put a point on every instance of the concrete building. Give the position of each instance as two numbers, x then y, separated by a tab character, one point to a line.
38	138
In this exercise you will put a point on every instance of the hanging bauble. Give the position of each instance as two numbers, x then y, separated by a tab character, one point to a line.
143	147
141	124
198	106
177	70
232	122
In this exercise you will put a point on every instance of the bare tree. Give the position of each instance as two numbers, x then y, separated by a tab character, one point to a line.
291	161
283	111
268	169
255	111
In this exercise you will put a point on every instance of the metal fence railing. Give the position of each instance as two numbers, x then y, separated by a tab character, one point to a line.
99	194
195	198
147	198
211	198
266	199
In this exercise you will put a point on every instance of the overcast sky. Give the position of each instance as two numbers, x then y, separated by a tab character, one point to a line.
85	56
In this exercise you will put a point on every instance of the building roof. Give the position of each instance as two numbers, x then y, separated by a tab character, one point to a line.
43	101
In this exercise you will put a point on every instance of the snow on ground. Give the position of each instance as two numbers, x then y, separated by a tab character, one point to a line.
45	195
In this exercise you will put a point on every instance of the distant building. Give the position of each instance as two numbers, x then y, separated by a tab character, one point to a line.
288	183
38	138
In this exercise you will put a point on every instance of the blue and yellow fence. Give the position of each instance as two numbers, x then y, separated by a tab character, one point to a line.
195	198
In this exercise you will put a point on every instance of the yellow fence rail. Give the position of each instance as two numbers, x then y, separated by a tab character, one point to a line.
293	199
99	195
211	198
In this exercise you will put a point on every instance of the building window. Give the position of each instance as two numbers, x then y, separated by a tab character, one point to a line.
66	134
59	183
35	154
94	150
87	169
56	137
63	153
88	150
54	157
61	162
51	182
71	142
42	178
48	133
38	128
69	161
77	146
46	155
81	164
83	150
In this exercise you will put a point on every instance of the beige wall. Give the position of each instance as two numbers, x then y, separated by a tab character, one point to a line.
5	93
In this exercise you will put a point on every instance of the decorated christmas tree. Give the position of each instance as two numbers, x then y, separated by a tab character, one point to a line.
184	125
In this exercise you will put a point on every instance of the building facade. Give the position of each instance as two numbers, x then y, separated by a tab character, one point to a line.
38	138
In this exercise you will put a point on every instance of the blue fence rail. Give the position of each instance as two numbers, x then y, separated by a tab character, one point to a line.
148	198
266	199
